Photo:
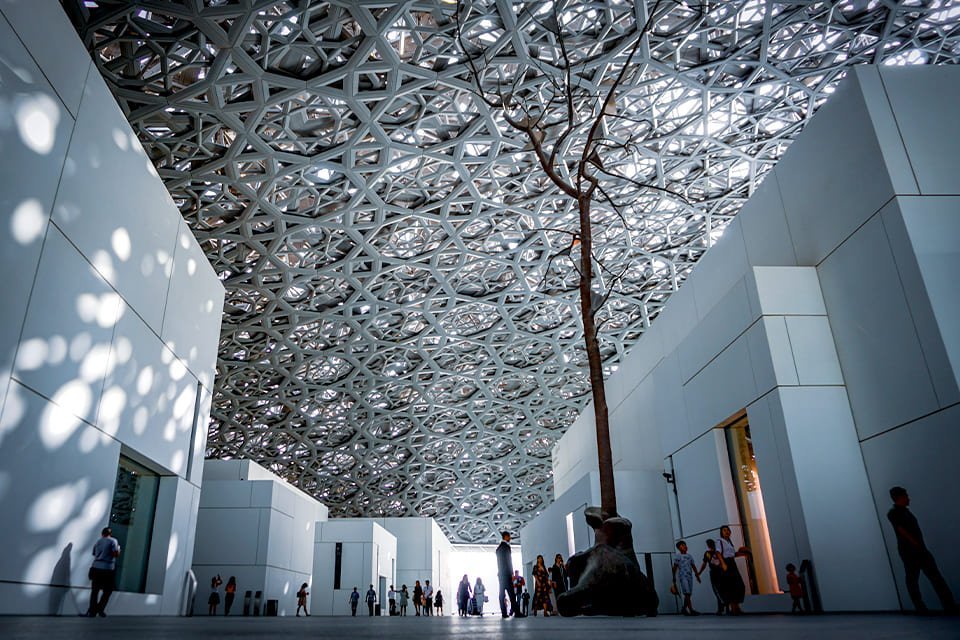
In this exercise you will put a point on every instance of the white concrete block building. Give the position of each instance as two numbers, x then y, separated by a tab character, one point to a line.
348	554
807	365
108	331
254	526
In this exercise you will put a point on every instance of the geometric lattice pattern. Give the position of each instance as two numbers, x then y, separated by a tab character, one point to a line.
393	341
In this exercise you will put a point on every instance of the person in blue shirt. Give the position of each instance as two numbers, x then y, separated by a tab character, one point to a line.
103	572
684	571
354	601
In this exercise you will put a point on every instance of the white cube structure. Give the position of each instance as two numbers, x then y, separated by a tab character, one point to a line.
108	334
423	552
258	528
348	553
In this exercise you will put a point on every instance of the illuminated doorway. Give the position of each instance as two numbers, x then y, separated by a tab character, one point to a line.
761	568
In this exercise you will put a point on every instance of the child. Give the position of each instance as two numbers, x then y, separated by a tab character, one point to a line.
302	599
796	589
683	565
214	598
438	603
525	598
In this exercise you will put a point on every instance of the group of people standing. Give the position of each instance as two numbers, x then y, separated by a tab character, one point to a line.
425	601
729	588
548	583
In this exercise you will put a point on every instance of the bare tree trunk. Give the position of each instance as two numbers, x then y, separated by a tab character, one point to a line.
583	187
608	492
554	122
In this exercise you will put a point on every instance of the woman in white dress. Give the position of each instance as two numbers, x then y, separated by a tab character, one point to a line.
478	595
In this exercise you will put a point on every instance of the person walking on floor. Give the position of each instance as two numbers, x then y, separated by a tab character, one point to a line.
438	602
479	595
229	594
404	597
732	589
463	595
795	584
354	601
525	602
915	555
417	596
505	590
684	570
713	559
392	600
103	572
302	599
541	588
371	599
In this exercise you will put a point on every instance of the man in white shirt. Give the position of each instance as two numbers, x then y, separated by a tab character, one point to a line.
427	598
392	597
103	572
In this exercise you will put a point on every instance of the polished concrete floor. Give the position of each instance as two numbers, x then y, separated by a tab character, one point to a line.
749	627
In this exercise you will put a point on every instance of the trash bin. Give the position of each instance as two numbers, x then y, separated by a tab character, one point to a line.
272	607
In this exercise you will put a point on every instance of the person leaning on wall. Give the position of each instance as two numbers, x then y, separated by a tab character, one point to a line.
915	555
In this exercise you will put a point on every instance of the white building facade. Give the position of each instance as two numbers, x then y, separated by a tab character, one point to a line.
810	362
108	338
259	529
423	552
352	553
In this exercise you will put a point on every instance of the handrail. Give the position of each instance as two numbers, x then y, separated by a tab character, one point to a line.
189	591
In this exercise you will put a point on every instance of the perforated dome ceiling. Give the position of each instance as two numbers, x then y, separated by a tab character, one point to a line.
390	342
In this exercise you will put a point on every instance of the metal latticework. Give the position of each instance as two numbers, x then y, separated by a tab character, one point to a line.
394	342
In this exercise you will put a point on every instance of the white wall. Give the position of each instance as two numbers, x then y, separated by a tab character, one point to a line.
92	246
253	525
829	311
902	372
423	552
369	553
550	533
420	551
